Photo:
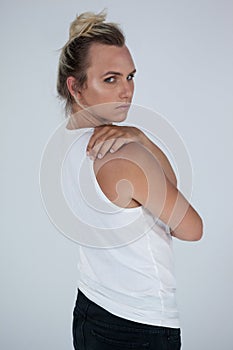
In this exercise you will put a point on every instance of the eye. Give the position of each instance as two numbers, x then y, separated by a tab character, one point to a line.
110	80
130	76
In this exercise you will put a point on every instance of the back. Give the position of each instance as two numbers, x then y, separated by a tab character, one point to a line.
128	266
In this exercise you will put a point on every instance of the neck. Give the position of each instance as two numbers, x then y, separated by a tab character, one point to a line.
83	118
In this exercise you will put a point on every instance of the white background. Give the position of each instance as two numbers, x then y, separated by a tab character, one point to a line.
183	51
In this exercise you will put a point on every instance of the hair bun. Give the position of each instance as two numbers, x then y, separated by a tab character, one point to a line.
83	24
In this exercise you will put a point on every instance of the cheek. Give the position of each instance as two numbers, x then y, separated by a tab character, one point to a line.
101	92
132	87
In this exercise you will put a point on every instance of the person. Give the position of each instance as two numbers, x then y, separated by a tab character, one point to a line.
126	295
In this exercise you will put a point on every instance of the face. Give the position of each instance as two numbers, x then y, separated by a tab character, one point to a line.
109	87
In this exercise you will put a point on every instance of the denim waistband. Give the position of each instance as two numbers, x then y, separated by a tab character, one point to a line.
98	315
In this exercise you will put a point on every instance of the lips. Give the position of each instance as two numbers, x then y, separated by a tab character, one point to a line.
123	106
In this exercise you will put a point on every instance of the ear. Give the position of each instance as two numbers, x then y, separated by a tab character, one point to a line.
71	85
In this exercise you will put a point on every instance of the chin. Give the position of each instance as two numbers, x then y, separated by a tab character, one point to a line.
108	113
121	117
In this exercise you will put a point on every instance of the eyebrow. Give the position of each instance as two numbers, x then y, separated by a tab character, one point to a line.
116	73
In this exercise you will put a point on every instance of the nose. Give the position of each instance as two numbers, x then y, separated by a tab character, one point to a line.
126	90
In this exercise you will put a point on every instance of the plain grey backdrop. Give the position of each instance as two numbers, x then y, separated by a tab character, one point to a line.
183	52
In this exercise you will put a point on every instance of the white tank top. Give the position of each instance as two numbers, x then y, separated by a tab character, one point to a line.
135	280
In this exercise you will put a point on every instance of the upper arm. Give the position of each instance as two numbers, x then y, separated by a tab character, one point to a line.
134	173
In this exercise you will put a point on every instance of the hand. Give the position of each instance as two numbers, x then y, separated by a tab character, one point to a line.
109	138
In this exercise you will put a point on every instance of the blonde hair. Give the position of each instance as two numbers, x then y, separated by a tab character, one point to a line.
86	29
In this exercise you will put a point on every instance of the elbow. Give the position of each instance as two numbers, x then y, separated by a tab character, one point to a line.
197	231
192	233
196	237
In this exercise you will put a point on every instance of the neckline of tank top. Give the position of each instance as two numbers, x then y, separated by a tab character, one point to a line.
72	131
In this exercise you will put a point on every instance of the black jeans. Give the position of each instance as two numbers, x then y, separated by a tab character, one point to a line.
94	328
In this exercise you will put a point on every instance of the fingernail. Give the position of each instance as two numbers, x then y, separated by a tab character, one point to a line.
99	155
111	150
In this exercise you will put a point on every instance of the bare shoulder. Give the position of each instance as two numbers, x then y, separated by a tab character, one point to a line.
127	162
119	173
133	176
126	155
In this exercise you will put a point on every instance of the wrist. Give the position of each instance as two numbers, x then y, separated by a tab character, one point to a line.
145	141
142	139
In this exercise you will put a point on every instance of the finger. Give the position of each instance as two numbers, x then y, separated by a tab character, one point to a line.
118	144
100	135
92	141
105	147
94	150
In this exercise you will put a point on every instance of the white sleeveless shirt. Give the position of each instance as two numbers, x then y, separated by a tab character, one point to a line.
126	258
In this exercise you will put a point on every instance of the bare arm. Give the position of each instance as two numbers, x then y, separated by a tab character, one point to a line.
134	173
160	156
112	137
